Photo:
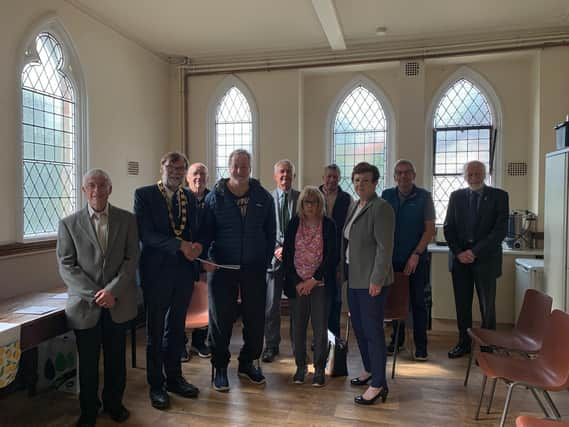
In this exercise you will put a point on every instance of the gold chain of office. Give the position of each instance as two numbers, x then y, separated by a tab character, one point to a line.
184	208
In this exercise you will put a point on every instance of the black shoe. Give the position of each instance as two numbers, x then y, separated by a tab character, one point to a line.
119	414
85	421
382	394
202	351
252	373
269	354
220	381
391	348
421	356
358	381
159	398
319	379
185	355
300	374
182	388
458	351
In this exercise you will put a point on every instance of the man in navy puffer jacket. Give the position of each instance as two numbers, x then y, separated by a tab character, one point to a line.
240	214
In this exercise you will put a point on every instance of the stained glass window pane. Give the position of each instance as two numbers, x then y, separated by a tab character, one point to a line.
360	134
233	129
48	178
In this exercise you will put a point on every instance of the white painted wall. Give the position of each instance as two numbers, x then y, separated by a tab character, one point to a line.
128	114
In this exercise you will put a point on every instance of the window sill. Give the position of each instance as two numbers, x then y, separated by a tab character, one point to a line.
13	249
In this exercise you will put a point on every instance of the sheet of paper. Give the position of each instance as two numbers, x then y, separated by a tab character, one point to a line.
62	295
34	309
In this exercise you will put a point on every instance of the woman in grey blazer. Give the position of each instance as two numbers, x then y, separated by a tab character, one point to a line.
367	250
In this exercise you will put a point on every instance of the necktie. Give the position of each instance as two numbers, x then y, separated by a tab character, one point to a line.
176	208
100	229
285	215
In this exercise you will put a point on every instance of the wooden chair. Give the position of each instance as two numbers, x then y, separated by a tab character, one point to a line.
527	335
526	421
549	371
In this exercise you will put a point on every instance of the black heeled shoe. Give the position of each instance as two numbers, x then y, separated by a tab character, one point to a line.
360	400
358	381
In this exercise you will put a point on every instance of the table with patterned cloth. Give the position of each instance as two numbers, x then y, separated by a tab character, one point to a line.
9	352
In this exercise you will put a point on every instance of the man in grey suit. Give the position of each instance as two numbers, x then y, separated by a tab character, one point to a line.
285	198
97	252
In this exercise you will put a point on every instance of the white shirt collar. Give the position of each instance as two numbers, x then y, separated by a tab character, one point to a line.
98	214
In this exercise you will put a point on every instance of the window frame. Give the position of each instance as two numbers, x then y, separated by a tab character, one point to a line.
220	91
494	104
72	68
388	111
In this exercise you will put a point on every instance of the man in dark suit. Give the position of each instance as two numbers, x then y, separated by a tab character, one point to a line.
97	252
285	198
167	225
337	204
475	225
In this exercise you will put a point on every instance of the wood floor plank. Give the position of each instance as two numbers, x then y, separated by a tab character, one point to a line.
422	394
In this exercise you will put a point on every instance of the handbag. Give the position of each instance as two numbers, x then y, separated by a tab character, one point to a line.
337	363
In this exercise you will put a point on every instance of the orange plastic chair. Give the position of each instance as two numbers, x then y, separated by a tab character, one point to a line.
197	315
549	371
397	308
527	335
526	421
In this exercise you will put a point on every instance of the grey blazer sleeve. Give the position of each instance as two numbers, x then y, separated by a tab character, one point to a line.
383	229
127	272
77	281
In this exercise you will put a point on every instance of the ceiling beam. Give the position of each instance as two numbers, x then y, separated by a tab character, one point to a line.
326	12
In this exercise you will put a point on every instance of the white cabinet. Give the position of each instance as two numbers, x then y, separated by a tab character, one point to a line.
556	227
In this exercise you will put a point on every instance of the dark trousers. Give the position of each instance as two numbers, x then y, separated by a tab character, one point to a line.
417	283
315	307
465	277
112	337
335	309
367	314
275	282
224	286
166	304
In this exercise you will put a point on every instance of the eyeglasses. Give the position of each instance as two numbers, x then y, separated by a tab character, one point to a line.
309	202
404	172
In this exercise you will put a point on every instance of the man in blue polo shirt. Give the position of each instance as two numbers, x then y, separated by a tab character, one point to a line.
414	229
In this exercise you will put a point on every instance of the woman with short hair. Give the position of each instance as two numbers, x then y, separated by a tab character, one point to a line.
367	250
310	257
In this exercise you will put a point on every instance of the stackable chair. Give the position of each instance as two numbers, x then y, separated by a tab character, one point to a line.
526	336
197	315
549	371
526	421
397	308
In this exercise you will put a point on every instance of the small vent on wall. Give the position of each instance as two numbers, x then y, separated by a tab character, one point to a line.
133	168
517	168
412	69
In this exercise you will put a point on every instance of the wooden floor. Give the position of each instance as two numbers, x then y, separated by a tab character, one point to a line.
422	394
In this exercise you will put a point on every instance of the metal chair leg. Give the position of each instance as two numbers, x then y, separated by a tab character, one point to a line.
491	395
396	349
507	404
539	402
551	404
470	356
481	397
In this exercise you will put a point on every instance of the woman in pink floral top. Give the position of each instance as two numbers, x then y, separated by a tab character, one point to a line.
310	256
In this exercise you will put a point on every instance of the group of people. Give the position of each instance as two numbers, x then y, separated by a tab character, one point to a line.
255	245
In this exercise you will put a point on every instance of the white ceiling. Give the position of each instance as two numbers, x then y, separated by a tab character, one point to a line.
197	28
